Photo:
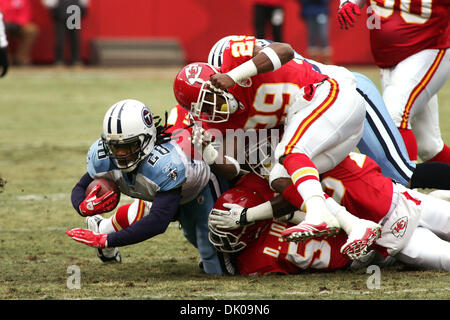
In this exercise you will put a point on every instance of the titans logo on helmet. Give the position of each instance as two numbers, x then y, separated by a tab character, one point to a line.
147	117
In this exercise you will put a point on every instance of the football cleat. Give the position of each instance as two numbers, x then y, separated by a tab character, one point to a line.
360	239
305	231
107	254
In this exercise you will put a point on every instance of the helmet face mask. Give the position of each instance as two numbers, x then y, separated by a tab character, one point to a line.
225	241
211	106
126	153
259	157
129	133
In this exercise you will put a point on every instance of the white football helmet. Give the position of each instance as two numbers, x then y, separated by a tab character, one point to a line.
215	56
129	133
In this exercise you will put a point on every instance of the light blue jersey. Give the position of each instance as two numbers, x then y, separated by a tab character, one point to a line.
166	168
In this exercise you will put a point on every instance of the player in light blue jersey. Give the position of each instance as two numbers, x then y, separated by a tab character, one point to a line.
140	158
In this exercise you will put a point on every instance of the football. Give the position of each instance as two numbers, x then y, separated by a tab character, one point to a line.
106	185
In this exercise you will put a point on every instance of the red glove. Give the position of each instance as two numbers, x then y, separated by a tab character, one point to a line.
346	14
88	237
93	205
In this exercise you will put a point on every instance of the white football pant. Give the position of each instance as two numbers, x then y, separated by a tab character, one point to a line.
324	129
410	94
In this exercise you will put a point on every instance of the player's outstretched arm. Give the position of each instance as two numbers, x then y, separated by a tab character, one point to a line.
238	216
164	207
265	59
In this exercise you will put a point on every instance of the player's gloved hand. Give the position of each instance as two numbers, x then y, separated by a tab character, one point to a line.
88	237
231	219
4	62
93	205
346	14
202	140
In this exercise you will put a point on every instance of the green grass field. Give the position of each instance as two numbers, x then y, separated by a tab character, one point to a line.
49	118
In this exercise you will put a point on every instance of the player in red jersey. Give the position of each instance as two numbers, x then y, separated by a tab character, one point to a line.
260	248
416	226
409	42
323	117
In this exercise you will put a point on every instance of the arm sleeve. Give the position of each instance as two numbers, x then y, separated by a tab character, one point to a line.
164	207
78	192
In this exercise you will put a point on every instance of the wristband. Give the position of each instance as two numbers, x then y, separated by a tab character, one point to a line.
243	220
244	71
273	56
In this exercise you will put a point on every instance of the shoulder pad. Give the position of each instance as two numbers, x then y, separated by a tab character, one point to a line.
97	161
165	166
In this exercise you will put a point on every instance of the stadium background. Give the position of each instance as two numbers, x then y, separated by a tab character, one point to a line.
196	25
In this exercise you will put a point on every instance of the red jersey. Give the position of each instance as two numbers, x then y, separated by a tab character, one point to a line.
256	183
358	184
266	96
271	254
16	11
179	121
407	27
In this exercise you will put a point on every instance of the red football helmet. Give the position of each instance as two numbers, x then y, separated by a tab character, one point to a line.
194	92
235	240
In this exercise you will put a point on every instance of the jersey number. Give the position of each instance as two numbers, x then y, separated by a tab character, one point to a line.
315	254
336	185
270	104
242	47
412	11
155	156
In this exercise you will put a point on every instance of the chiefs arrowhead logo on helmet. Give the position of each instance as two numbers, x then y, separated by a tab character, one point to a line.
193	73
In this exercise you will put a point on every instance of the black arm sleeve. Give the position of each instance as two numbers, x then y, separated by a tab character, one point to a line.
164	207
78	192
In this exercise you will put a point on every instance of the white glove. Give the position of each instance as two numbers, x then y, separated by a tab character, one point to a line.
231	219
202	140
200	137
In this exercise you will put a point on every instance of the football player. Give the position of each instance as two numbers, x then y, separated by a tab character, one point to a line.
323	116
416	226
409	42
381	140
139	157
259	248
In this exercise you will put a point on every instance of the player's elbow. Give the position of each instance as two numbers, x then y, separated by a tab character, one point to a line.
284	51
